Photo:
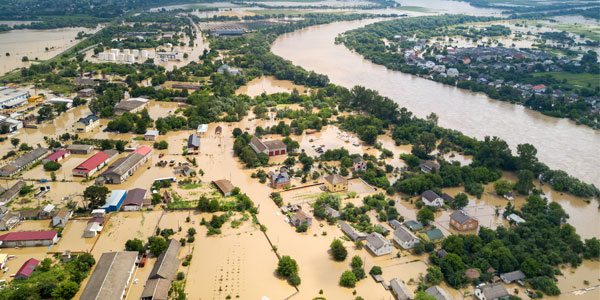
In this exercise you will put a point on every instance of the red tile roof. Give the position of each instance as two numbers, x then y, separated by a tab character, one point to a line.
538	87
143	150
92	162
56	155
28	236
28	267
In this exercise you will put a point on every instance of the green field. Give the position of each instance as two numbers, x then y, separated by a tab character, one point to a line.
415	9
575	80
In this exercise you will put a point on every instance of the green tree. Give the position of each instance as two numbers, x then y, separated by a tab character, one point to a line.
338	250
65	290
434	275
527	156
135	245
51	166
503	186
157	245
15	142
460	200
376	270
525	182
425	215
286	266
348	279
95	195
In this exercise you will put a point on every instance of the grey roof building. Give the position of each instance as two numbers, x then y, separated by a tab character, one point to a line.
11	193
193	142
378	244
331	212
400	290
23	162
512	276
163	273
491	291
80	149
438	292
413	225
351	232
110	277
405	238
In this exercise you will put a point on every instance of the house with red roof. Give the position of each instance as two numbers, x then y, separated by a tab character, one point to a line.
56	156
94	163
27	269
540	88
28	239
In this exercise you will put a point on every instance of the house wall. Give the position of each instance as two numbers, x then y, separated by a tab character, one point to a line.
337	187
473	224
131	208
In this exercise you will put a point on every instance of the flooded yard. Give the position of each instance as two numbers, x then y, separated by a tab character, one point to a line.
72	238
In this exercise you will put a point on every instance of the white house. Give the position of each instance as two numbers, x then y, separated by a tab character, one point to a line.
378	244
405	238
492	291
430	198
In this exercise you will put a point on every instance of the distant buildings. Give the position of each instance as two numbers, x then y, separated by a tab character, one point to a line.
131	105
227	69
336	183
271	148
22	162
111	276
80	149
87	124
378	244
28	239
10	97
461	221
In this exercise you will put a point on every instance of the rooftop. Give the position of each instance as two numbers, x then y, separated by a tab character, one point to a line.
56	155
92	162
135	197
376	240
336	179
28	236
461	217
110	276
224	186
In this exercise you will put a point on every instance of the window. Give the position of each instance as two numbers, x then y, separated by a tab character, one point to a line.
471	225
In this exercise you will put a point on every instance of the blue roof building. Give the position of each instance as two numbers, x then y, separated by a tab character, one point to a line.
89	119
114	201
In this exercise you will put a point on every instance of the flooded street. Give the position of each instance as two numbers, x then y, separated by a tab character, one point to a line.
561	144
269	85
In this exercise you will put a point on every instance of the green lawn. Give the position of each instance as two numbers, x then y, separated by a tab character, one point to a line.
576	80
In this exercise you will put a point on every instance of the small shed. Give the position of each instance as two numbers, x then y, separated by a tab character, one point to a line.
224	186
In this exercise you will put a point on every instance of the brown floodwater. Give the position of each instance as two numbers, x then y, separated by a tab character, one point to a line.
33	43
561	143
269	85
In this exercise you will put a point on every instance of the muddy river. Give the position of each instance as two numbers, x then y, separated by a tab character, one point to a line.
561	144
